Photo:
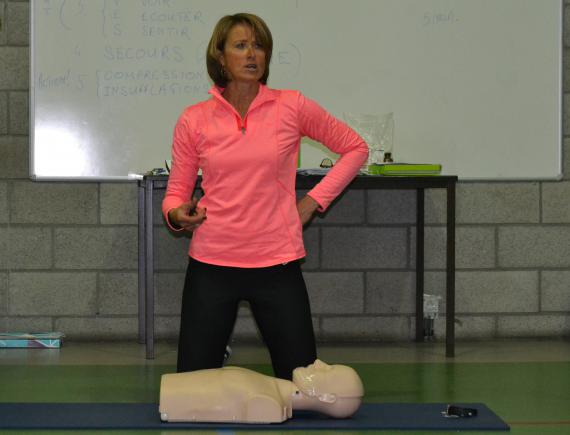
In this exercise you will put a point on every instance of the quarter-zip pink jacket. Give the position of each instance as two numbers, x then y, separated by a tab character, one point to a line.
248	174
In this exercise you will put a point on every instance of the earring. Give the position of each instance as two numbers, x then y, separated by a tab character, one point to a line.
223	71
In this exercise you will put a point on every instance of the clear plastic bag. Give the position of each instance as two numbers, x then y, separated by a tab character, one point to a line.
431	312
431	306
377	131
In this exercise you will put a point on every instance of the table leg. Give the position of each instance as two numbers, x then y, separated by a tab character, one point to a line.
450	274
142	263
149	270
420	265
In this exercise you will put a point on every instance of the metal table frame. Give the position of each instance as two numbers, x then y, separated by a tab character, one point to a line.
146	246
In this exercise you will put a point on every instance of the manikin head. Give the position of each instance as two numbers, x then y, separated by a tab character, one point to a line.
337	387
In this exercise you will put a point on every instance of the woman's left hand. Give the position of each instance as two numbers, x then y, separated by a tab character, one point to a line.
306	208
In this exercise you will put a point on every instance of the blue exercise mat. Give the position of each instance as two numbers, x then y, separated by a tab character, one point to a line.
370	416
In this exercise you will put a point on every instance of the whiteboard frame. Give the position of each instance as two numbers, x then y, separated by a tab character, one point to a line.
31	100
135	177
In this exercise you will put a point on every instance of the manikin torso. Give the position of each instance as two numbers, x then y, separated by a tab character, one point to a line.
226	394
235	394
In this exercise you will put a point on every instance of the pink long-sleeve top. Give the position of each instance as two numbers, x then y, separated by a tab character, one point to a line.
248	174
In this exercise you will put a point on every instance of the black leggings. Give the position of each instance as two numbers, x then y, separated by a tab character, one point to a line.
279	302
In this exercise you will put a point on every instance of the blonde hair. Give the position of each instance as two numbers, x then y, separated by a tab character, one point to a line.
220	36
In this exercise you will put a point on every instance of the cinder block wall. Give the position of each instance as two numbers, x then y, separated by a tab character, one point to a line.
68	251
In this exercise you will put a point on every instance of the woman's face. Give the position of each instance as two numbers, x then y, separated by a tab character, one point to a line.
243	58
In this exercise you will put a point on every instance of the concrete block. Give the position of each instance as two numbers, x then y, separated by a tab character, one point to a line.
25	248
555	203
434	247
474	247
348	208
3	31
366	328
52	294
473	327
19	113
395	292
543	325
3	111
497	203
317	328
25	324
364	248
15	68
119	203
168	293
18	23
555	290
158	196
4	210
244	309
171	250
467	327
167	328
566	165
390	292
96	248
566	63
311	238
435	206
534	246
3	294
118	293
98	328
54	203
566	25
391	206
335	292
245	329
15	159
4	253
434	282
496	292
566	113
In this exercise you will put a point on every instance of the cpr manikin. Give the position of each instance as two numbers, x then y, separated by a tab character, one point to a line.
235	394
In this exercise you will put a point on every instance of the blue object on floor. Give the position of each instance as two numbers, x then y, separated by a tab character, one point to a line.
370	416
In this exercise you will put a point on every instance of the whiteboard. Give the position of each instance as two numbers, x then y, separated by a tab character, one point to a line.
473	84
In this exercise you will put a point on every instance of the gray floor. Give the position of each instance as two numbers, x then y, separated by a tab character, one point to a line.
525	382
129	353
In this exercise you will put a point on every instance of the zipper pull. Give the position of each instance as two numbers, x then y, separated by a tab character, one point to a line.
241	125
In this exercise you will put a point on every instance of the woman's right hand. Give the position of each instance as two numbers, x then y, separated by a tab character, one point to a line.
187	216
